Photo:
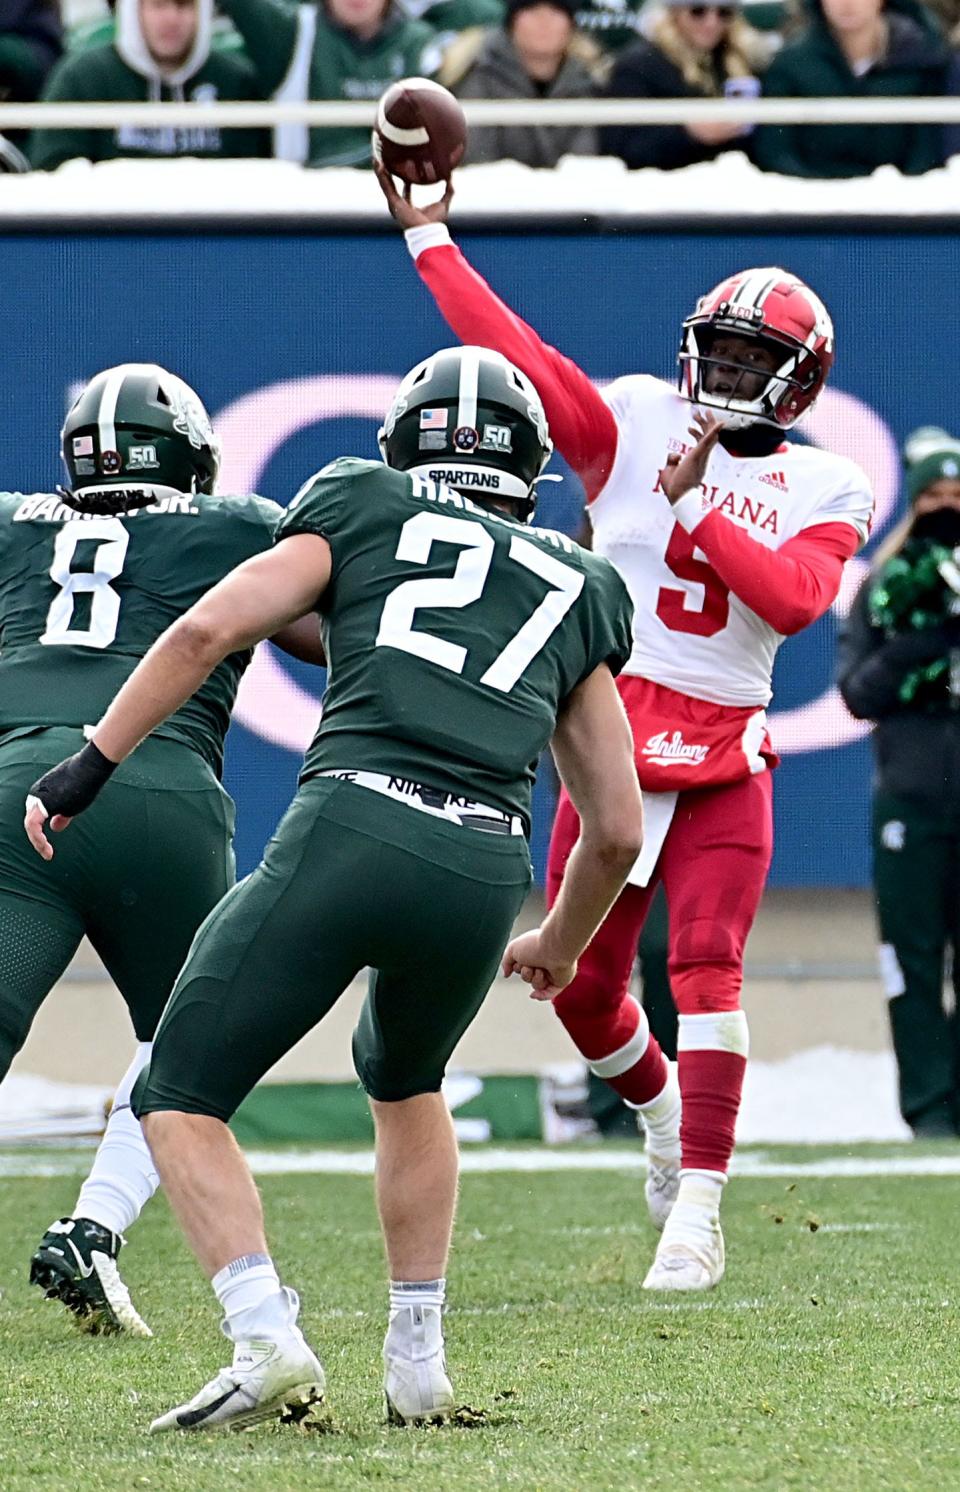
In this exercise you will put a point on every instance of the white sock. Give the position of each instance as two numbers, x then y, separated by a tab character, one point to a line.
698	1202
661	1118
253	1300
416	1312
123	1177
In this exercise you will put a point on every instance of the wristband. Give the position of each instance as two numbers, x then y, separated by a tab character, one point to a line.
72	785
426	236
691	509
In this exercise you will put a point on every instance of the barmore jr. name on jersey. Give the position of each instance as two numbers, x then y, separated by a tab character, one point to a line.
51	510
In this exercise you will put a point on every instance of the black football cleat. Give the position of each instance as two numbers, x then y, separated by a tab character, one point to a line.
76	1263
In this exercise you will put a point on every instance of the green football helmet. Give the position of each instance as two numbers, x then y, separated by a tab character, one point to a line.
468	418
134	432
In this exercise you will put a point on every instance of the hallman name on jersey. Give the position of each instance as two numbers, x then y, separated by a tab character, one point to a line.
436	491
751	510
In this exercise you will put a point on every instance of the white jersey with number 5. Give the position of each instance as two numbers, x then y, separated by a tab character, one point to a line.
690	633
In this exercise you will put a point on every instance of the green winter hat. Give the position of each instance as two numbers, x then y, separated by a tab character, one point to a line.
929	454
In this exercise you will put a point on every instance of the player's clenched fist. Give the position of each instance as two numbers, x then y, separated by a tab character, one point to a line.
63	792
530	956
402	207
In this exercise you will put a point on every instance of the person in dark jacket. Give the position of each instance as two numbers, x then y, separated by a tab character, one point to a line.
689	51
31	40
536	53
857	49
900	666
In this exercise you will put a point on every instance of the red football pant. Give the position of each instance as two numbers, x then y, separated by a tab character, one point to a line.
713	865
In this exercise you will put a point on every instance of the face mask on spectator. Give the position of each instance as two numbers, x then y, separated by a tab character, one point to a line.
938	526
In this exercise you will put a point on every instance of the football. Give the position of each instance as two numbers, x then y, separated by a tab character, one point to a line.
420	133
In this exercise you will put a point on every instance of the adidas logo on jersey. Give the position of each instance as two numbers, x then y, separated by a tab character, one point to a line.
673	752
774	479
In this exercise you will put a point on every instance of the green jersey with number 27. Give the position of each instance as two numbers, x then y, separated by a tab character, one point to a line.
83	597
453	633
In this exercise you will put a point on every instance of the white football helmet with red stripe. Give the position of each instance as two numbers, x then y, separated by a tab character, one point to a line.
780	311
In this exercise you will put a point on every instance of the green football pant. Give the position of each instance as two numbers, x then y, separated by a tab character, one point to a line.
351	880
137	874
916	858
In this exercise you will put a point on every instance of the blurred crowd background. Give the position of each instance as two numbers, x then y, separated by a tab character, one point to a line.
153	50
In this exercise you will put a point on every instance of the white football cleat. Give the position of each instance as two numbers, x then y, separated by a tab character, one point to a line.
661	1188
415	1381
266	1380
694	1261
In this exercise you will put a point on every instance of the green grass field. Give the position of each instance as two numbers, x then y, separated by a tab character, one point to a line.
828	1358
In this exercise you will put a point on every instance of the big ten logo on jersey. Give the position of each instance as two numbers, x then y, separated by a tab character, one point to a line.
142	458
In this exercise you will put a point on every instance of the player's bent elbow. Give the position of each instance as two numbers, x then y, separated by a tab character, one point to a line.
618	844
200	641
793	619
620	856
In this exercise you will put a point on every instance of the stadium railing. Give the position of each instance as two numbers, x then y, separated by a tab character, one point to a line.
336	115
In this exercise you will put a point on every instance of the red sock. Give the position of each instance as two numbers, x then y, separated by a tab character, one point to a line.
710	1086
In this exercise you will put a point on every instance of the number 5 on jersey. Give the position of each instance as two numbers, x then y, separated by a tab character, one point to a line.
682	611
465	586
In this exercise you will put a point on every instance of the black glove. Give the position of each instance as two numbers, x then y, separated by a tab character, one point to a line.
72	785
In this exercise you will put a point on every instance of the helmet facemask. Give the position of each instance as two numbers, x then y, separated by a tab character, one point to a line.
771	308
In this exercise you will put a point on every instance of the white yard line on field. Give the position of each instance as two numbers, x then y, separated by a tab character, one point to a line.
760	1164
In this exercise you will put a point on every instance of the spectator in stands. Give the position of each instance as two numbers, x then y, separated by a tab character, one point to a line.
900	666
856	49
339	49
688	51
161	51
612	24
31	40
101	26
536	53
449	17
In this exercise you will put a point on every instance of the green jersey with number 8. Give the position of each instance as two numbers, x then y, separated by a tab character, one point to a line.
84	596
453	632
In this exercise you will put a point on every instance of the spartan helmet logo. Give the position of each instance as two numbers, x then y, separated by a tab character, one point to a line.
189	416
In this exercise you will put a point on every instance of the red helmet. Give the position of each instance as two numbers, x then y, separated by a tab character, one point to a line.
773	307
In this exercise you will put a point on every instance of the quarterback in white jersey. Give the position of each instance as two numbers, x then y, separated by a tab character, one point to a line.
730	539
697	636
